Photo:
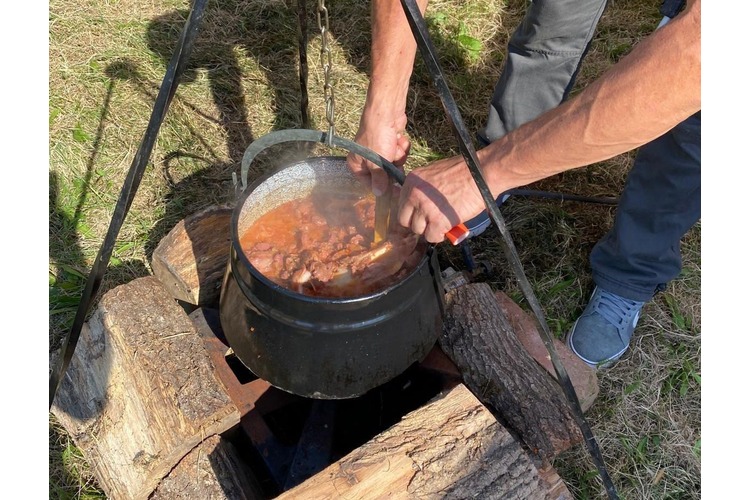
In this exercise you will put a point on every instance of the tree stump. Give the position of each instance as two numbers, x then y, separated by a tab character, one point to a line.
140	392
192	258
479	339
583	377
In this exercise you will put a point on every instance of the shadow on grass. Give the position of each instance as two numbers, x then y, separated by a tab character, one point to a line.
268	34
66	286
65	223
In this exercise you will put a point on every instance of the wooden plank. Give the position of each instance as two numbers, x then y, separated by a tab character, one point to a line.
451	447
479	339
192	258
140	391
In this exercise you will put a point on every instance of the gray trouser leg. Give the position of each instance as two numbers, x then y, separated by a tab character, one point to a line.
544	54
660	203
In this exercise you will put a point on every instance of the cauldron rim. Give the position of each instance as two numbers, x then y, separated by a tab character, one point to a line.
242	258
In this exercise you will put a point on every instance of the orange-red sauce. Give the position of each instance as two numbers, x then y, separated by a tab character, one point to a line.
321	245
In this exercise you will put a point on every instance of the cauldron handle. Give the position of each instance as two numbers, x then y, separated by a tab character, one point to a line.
305	135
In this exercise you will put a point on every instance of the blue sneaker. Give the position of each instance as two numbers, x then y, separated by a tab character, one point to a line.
601	335
477	225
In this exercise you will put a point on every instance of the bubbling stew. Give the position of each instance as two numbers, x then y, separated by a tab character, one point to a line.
322	245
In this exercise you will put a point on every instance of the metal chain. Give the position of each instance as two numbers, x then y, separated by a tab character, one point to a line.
325	62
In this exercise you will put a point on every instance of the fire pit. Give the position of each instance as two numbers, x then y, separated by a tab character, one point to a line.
289	438
161	409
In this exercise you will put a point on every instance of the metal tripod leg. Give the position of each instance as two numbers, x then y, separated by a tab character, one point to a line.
132	181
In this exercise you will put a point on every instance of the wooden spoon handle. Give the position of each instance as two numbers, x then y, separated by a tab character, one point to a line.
382	215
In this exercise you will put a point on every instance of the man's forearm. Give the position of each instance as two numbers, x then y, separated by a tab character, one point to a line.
643	96
393	52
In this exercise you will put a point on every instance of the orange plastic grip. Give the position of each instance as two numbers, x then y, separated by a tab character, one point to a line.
457	234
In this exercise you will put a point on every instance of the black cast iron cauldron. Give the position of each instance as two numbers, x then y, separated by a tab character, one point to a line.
317	347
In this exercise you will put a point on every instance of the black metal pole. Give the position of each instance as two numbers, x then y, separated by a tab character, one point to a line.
303	71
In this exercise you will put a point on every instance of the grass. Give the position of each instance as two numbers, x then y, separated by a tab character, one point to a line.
107	60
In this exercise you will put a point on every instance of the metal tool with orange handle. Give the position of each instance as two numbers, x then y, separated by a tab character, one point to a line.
456	235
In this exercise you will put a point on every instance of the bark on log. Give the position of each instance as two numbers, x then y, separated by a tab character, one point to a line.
583	377
192	258
450	448
212	471
479	339
140	391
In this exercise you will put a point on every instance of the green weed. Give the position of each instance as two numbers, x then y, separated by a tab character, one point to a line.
77	483
697	449
680	321
683	379
472	46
